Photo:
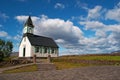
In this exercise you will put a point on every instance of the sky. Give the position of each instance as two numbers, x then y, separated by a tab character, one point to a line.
77	26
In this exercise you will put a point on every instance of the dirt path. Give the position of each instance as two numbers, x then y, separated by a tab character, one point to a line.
87	73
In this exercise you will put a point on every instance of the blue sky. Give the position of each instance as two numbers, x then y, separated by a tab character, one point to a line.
77	26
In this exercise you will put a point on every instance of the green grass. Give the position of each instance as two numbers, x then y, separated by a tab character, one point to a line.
67	65
29	68
114	58
66	62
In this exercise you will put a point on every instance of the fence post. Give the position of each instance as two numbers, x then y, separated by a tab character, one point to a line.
49	58
34	58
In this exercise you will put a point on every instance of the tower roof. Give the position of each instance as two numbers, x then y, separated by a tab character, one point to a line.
29	22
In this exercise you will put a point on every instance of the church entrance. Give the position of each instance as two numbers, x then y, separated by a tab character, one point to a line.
23	52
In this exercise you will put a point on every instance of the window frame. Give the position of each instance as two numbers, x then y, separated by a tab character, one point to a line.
36	49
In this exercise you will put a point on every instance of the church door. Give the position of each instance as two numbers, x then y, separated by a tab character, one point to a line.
23	52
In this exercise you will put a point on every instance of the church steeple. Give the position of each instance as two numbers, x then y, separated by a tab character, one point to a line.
28	27
29	22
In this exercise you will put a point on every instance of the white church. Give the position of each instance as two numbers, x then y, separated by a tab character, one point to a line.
36	45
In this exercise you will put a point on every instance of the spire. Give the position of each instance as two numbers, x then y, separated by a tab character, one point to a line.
29	22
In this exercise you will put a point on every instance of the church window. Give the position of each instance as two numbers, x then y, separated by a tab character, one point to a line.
48	50
45	49
40	49
53	50
30	30
36	49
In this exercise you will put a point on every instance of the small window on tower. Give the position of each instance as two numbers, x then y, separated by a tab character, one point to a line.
30	30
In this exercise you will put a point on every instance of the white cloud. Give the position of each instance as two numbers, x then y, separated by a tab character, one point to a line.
23	18
92	24
114	14
59	5
58	29
100	33
114	28
60	41
80	4
106	39
94	13
3	34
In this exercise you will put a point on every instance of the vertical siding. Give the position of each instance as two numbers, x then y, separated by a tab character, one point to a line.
25	44
49	52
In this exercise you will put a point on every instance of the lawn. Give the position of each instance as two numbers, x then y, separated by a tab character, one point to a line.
66	62
96	57
29	68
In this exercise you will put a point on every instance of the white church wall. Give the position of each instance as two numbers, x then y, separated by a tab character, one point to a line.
25	44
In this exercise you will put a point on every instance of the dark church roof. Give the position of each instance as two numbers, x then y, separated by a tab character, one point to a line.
36	40
29	22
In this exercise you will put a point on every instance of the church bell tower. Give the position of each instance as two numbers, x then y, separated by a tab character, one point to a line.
28	27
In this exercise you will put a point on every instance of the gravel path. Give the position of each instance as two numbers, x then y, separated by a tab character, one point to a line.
86	73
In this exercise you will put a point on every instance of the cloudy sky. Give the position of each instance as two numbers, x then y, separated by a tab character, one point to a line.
77	26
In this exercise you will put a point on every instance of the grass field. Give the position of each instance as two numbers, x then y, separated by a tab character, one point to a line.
29	68
87	57
66	62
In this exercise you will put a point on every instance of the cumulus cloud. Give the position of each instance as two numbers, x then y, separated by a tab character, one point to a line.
60	30
23	18
80	4
59	5
106	37
3	34
114	14
92	24
94	13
